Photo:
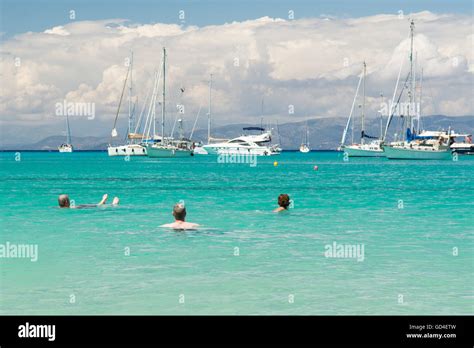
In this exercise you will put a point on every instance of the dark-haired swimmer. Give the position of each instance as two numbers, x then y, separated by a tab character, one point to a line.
283	202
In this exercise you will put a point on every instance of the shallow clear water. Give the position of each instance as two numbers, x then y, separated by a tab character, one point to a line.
408	215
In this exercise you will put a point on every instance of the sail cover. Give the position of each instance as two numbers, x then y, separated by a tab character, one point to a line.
254	128
363	135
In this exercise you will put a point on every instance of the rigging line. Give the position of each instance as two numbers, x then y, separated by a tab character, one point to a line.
120	103
137	126
343	140
195	122
394	106
174	125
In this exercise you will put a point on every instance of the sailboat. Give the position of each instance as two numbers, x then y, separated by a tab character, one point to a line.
304	147
362	149
133	146
67	147
168	146
199	150
413	143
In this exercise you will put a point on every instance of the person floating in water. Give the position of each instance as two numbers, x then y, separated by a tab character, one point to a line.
283	202
64	202
179	213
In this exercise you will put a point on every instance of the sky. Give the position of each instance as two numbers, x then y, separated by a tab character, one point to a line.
301	58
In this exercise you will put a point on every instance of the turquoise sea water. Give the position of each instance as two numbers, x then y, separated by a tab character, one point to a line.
408	215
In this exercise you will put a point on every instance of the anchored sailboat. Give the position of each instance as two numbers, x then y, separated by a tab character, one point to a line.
133	146
362	149
168	146
199	150
67	147
304	147
410	142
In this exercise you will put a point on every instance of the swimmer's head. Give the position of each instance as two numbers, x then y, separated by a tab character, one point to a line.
284	200
63	201
179	211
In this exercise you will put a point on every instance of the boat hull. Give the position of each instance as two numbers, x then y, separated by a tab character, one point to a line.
464	149
65	149
162	152
240	151
127	150
416	154
354	152
304	149
199	150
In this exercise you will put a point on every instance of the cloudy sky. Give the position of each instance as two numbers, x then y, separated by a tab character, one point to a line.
303	56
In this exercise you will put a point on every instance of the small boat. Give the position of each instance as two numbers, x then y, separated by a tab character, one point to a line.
199	148
168	146
174	149
133	147
249	144
413	144
304	147
67	147
430	148
371	148
465	147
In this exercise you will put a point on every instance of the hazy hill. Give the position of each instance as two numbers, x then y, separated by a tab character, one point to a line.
324	133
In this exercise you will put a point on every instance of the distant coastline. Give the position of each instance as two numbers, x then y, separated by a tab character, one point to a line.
324	134
76	151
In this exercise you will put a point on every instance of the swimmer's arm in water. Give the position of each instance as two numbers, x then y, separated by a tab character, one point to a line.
279	209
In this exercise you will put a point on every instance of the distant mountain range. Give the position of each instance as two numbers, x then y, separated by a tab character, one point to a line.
324	133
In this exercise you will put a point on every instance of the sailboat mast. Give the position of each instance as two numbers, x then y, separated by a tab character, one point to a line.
349	123
421	95
307	134
381	117
363	110
412	75
163	99
68	138
209	113
130	124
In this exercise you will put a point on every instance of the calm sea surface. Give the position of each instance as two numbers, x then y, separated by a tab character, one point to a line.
414	219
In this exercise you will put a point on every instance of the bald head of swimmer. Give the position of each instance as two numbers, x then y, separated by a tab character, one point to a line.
63	201
179	212
284	201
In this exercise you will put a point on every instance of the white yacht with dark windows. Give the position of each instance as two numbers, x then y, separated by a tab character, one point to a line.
249	144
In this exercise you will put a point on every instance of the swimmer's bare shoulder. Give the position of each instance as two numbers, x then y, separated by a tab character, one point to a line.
181	225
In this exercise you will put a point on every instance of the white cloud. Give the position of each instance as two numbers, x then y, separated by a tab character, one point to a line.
312	64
